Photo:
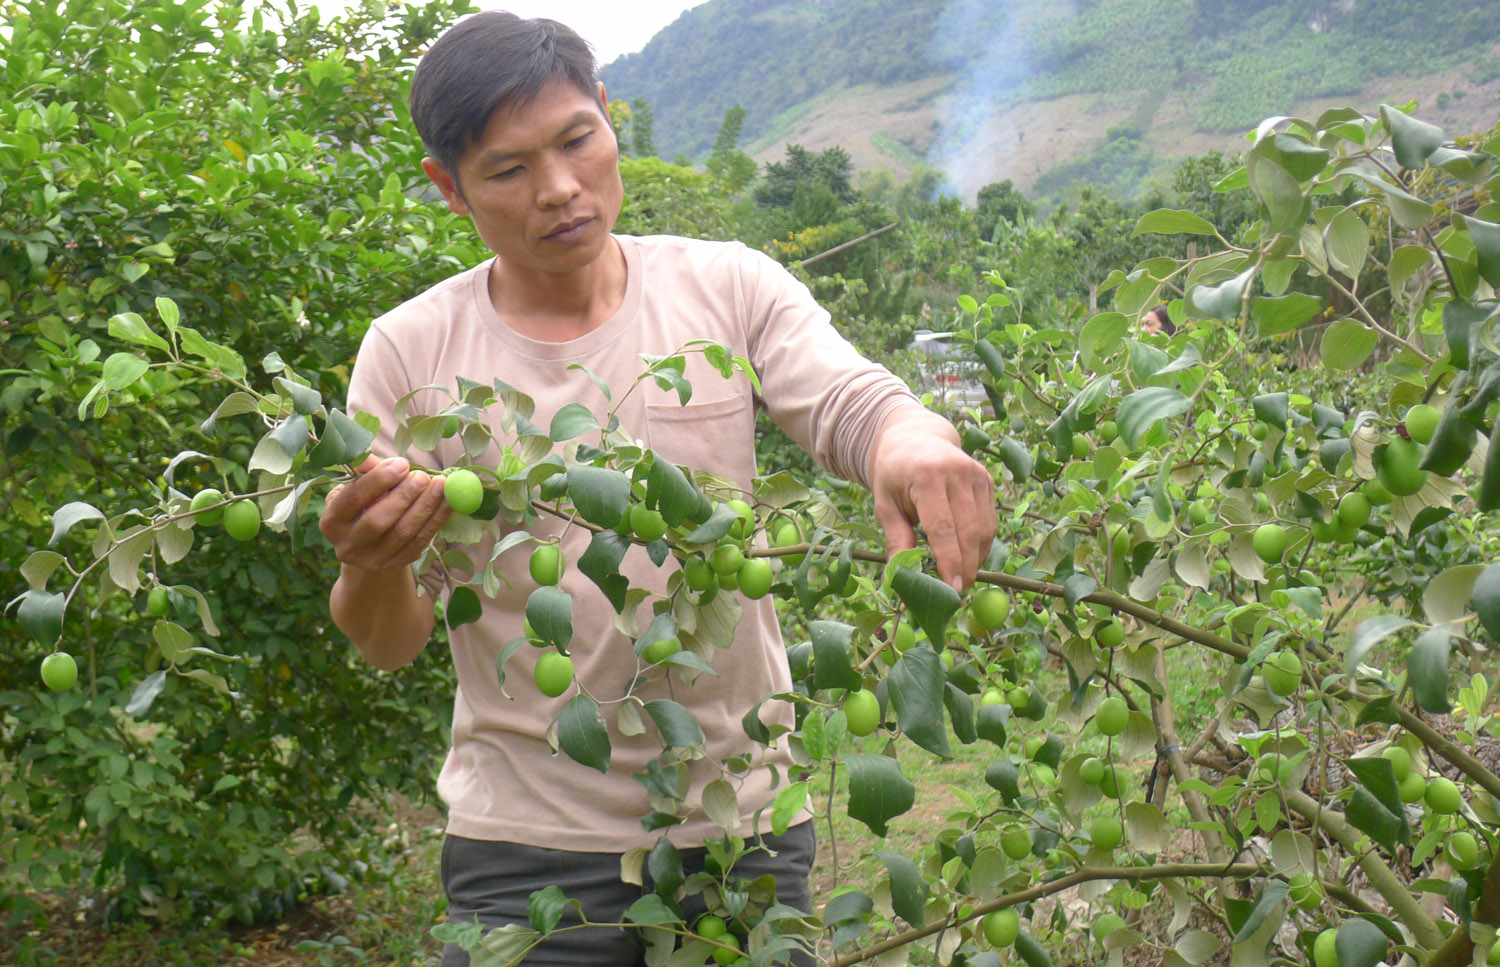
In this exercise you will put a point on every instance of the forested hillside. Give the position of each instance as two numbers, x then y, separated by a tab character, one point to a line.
944	81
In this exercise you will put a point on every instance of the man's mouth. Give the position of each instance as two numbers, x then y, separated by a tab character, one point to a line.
568	230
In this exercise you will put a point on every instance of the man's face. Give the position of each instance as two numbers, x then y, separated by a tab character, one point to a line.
542	183
1151	323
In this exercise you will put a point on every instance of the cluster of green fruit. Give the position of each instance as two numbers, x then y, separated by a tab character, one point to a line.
728	947
241	521
241	518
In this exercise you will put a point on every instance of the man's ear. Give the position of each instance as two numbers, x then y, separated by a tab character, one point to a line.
447	185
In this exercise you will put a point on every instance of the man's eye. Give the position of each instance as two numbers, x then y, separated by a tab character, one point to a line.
507	173
579	140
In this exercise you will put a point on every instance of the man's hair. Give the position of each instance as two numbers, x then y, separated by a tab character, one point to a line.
485	61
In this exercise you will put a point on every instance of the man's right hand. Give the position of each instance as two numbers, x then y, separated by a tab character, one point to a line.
385	517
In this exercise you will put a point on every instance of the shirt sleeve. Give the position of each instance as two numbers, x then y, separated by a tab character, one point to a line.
815	386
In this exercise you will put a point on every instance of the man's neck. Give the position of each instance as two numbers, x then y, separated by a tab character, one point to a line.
562	307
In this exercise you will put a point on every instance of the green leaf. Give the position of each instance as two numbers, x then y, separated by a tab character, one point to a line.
1427	669
787	806
1446	596
664	866
572	420
130	327
1360	944
1486	239
916	684
601	564
1410	212
713	529
1283	313
122	369
1366	814
650	910
1347	344
1076	587
1279	192
878	792
550	611
960	713
600	494
1169	221
831	643
1460	319
1146	407
1414	141
581	733
145	693
678	728
1272	408
1002	774
1405	262
989	354
1101	336
1376	774
39	567
544	908
305	399
1487	597
68	515
1452	443
1031	951
1220	301
1017	459
931	602
167	310
1300	159
1271	896
41	615
234	404
1347	239
463	607
1369	633
908	888
673	495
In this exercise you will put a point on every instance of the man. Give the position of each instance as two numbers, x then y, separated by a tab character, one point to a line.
520	141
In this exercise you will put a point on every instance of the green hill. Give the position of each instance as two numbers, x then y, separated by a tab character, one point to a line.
1041	91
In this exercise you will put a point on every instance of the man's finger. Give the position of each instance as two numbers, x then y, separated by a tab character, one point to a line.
351	500
935	512
899	534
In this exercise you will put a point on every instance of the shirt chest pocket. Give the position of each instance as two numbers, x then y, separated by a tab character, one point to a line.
713	435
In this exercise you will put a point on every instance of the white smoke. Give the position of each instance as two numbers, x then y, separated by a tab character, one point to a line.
983	44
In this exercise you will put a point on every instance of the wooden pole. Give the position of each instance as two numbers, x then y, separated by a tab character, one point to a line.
850	244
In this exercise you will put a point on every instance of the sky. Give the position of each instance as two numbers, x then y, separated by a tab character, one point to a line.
612	27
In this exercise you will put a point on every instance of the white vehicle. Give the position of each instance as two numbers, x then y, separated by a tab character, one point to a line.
950	370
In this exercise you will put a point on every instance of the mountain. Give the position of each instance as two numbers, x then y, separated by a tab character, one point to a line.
1043	91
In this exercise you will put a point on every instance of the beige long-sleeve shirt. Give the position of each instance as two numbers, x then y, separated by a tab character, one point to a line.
501	779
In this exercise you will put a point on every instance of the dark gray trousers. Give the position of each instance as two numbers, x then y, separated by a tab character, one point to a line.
491	881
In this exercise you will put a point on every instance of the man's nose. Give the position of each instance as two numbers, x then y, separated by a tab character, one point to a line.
557	184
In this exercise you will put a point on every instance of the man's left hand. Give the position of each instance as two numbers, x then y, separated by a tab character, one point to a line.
920	475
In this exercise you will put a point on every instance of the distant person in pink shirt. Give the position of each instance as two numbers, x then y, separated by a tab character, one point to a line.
1158	320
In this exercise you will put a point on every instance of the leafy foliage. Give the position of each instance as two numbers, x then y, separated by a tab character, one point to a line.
160	152
1217	498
